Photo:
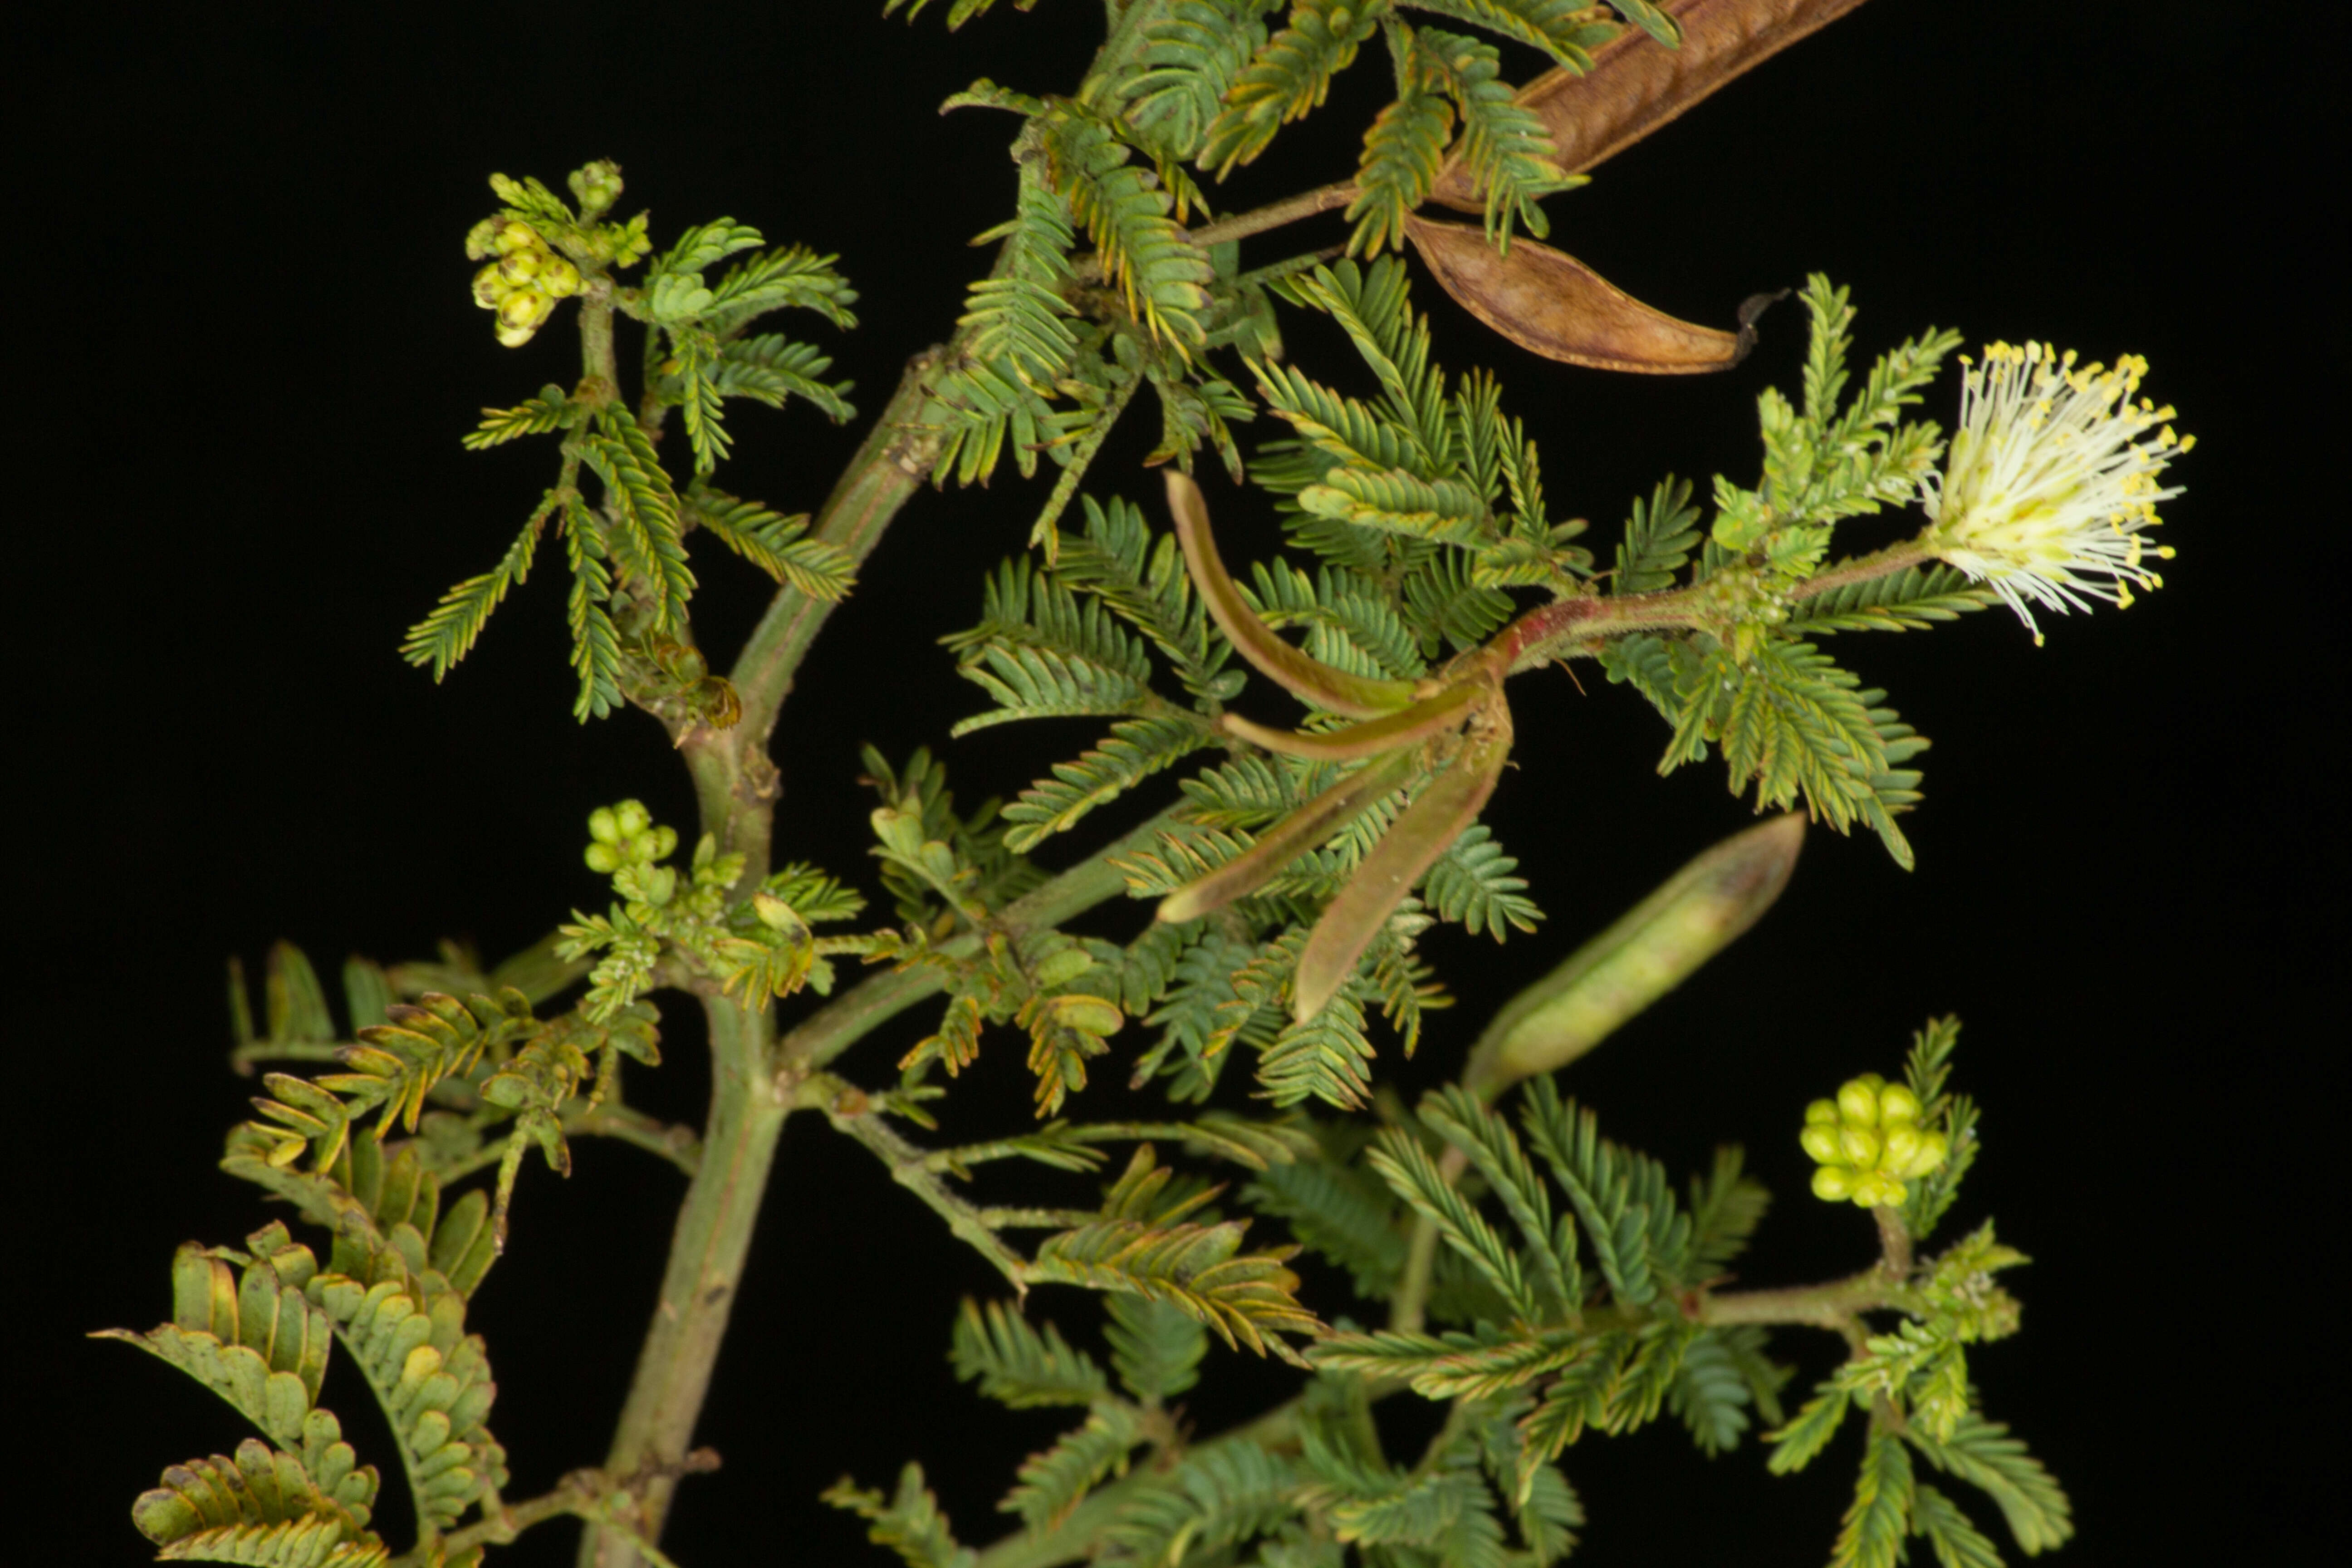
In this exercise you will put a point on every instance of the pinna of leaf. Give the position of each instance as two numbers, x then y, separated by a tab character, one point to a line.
1455	724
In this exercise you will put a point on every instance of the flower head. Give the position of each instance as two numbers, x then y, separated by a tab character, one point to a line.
2052	479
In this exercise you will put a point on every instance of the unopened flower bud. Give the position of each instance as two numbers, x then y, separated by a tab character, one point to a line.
1832	1183
559	279
602	858
1897	1103
1904	1143
1877	1189
1822	1142
1822	1113
522	311
490	287
1859	1145
520	265
1857	1100
481	239
1934	1148
665	842
513	237
603	826
632	818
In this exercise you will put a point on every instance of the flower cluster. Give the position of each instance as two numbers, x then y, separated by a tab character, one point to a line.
625	835
2052	479
1868	1142
524	281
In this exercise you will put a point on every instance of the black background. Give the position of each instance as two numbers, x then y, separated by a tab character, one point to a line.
251	355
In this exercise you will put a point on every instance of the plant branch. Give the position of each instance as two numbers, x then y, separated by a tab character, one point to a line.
1307	204
850	1111
1865	569
872	1003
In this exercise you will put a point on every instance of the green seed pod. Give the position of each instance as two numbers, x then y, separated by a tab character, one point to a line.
1897	1103
604	858
1822	1113
1860	1146
1832	1182
1822	1142
1652	949
1857	1100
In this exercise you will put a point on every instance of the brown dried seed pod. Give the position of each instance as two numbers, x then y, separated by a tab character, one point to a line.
1550	303
1637	84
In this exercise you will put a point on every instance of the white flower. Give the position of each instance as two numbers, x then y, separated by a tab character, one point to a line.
2051	480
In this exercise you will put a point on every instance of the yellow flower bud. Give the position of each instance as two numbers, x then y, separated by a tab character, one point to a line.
1877	1188
559	279
1897	1103
1904	1143
521	266
1822	1113
1859	1145
490	287
1832	1183
481	239
1822	1142
632	818
523	309
1857	1100
1934	1148
602	827
603	858
513	237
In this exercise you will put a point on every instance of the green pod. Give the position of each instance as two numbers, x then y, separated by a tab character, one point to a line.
1654	948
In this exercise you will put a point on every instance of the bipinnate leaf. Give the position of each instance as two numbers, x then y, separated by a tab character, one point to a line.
1636	85
255	1340
1550	303
262	1506
1309	680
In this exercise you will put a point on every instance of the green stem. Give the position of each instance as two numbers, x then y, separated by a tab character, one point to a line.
868	1005
1865	569
1275	214
846	1107
706	1267
734	782
1409	1307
